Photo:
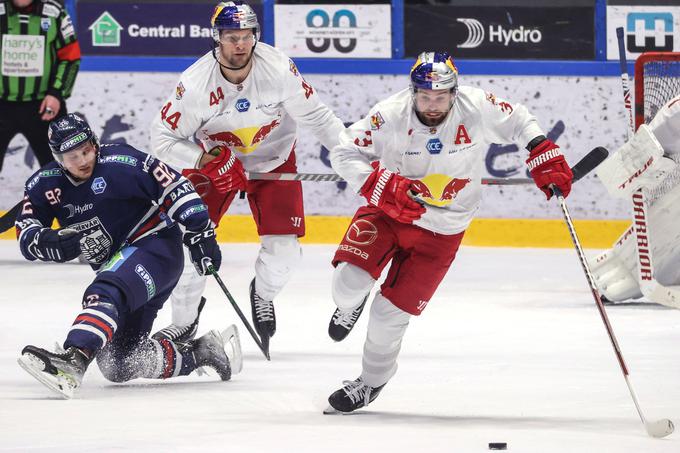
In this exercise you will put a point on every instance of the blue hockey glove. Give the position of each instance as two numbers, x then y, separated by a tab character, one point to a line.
56	245
204	249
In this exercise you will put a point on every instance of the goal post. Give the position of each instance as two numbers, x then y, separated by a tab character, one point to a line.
657	80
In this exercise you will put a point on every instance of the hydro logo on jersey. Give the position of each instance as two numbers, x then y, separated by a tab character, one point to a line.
98	185
242	105
434	146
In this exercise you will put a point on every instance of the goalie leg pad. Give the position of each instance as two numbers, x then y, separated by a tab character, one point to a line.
386	327
351	284
638	163
614	271
279	255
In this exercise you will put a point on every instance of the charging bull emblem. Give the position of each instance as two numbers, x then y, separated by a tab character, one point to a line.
440	190
245	140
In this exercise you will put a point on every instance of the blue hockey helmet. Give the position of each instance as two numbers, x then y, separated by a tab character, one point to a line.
234	15
434	71
68	133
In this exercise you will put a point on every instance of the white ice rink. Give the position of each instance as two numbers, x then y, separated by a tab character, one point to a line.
511	349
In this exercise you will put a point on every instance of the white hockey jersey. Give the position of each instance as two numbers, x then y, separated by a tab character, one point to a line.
256	119
447	159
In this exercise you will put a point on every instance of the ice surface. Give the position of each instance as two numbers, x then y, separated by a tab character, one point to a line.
511	349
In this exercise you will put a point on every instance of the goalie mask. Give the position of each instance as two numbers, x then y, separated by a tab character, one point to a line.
434	84
228	18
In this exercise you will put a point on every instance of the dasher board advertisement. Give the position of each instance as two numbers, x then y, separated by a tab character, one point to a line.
333	31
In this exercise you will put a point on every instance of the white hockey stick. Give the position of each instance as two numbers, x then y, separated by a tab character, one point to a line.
651	288
332	177
657	428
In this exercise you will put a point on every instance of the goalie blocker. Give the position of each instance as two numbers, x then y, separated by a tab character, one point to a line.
648	161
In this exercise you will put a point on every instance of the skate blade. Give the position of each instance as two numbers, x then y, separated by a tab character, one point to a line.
232	347
62	384
330	410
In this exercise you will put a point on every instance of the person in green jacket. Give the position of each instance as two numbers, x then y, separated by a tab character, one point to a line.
39	61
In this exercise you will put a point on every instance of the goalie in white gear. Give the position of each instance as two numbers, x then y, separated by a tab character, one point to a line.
649	160
242	101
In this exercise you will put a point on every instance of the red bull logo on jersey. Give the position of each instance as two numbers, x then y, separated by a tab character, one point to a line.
376	121
179	91
245	140
440	190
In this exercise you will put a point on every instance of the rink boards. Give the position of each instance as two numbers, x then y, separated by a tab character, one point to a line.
579	113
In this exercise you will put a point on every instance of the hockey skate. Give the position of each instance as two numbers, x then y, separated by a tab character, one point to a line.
264	317
219	351
342	322
352	396
180	334
61	372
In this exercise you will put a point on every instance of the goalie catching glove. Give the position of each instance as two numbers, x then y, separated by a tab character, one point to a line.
225	171
548	167
203	249
392	193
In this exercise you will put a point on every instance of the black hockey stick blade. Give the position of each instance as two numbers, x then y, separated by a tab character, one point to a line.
589	162
7	220
256	338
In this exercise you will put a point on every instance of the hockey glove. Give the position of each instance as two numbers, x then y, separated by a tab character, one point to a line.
56	245
203	249
392	192
225	171
548	167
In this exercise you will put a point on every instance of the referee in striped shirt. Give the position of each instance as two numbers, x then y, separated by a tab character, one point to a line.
39	60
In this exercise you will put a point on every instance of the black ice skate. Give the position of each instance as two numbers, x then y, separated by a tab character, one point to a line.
342	322
60	371
180	334
352	396
264	317
219	351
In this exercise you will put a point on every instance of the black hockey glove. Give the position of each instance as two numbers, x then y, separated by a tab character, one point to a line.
56	245
204	249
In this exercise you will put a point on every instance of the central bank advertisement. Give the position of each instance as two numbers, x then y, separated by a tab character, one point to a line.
153	29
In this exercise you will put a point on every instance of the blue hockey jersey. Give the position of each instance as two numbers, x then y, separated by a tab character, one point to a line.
130	195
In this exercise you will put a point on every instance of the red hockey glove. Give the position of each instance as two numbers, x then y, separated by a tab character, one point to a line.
225	171
390	192
548	166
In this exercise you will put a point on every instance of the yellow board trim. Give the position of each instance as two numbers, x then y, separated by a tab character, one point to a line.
550	233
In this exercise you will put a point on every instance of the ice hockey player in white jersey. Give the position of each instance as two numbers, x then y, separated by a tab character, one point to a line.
649	160
243	102
417	158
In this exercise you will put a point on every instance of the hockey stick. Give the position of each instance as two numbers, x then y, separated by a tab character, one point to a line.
658	428
8	219
332	177
211	270
649	286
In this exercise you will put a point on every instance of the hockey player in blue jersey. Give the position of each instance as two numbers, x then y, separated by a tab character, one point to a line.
119	208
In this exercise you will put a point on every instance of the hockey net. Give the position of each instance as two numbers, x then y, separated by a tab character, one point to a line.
657	80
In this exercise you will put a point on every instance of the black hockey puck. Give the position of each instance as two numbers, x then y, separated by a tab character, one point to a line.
498	446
